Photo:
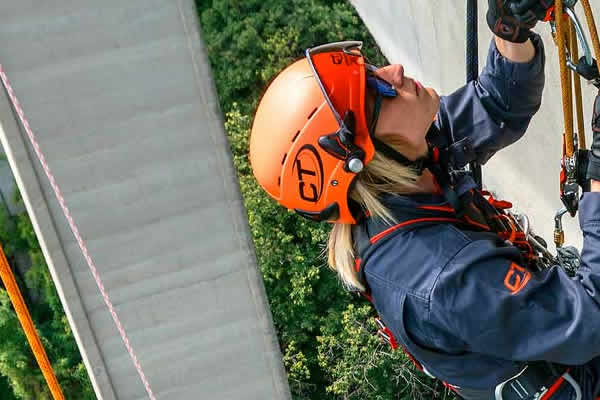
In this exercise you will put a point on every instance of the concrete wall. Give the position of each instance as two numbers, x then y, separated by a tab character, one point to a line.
429	38
121	98
7	187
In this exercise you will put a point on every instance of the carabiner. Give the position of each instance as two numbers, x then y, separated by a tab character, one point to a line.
559	233
586	66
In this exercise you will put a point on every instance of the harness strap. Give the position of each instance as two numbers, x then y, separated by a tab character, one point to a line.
480	212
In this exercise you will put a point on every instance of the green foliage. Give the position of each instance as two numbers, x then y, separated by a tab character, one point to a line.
17	362
250	41
6	393
328	343
362	366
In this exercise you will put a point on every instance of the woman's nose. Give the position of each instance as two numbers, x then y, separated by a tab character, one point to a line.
393	74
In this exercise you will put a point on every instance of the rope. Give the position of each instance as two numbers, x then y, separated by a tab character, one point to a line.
570	85
574	50
564	78
589	16
473	68
82	245
566	37
27	323
472	41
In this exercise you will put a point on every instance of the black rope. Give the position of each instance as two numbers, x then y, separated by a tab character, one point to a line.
472	41
473	67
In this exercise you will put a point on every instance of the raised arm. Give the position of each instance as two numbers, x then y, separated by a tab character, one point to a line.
496	110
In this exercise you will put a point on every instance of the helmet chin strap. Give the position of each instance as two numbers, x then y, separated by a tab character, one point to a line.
417	165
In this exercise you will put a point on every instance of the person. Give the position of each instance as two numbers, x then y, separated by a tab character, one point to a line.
380	156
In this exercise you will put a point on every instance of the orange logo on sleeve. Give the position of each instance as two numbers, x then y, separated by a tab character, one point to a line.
516	278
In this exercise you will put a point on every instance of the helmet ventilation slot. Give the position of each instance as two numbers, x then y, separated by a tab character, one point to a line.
295	136
312	113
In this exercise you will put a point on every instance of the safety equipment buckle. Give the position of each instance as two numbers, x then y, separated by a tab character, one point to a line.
569	186
531	384
341	145
570	197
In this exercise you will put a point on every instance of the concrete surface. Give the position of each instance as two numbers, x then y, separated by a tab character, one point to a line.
7	187
429	38
122	100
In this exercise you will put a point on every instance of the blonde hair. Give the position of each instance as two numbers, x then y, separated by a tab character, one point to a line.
381	175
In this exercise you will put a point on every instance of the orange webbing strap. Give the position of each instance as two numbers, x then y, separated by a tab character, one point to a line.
564	77
25	318
574	50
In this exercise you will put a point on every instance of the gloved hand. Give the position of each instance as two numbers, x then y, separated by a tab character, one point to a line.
512	20
593	169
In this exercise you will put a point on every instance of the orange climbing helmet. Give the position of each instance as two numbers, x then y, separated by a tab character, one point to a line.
310	137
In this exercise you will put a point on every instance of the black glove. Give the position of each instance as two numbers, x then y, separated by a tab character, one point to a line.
512	20
593	168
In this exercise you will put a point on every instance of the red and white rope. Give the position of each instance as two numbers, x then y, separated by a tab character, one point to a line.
82	246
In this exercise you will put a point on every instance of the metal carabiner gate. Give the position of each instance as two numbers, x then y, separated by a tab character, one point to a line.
586	66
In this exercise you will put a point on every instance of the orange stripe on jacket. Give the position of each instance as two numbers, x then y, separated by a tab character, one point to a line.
381	235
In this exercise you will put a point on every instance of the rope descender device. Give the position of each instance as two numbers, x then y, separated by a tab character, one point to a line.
568	34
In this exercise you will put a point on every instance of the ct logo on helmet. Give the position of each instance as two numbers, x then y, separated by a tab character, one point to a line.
338	59
308	167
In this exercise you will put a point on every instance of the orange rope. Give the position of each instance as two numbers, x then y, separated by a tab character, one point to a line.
564	78
569	84
25	318
589	15
574	50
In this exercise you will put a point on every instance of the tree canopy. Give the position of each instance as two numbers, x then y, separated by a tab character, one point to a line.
22	378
